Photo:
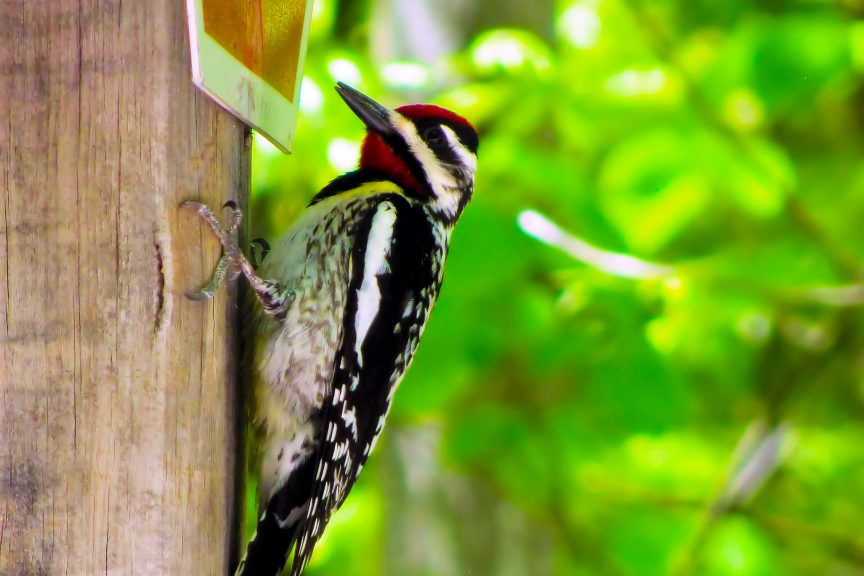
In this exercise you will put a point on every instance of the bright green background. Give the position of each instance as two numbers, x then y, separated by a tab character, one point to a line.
562	420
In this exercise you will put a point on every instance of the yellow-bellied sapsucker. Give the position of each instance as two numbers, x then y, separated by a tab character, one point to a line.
341	303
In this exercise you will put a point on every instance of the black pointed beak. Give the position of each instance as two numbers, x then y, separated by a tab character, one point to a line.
375	116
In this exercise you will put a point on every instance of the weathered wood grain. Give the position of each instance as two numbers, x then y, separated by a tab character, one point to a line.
117	396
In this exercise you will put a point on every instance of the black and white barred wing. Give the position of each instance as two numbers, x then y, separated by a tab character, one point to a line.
391	290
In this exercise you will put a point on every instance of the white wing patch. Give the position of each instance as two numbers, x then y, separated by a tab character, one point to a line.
282	457
377	249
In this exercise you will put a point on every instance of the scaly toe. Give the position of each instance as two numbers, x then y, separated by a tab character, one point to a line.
236	216
192	205
259	249
198	296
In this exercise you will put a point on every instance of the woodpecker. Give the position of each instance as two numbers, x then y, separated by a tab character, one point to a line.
339	306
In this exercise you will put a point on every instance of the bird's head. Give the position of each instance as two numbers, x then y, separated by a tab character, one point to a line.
430	151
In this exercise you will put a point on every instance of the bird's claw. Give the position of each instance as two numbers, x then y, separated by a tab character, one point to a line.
232	262
229	262
198	296
258	248
236	216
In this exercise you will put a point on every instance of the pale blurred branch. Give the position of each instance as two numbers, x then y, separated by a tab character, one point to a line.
754	460
839	296
756	457
543	229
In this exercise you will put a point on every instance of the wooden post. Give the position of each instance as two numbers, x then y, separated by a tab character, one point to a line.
117	395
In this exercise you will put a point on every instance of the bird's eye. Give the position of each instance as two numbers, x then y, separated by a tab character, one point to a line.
434	136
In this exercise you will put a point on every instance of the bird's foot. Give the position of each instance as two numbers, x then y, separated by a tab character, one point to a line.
228	264
233	262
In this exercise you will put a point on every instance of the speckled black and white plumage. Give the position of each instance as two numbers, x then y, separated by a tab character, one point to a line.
358	275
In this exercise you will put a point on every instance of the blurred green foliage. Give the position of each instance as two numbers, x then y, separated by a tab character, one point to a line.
561	419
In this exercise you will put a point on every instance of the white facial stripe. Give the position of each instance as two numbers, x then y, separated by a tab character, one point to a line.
439	177
466	157
448	196
377	250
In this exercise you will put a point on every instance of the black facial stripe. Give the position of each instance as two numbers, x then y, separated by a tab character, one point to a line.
401	149
438	142
446	154
466	134
430	131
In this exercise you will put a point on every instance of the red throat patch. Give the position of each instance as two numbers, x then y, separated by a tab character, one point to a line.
377	155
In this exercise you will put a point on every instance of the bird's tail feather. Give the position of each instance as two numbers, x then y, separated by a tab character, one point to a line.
268	549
